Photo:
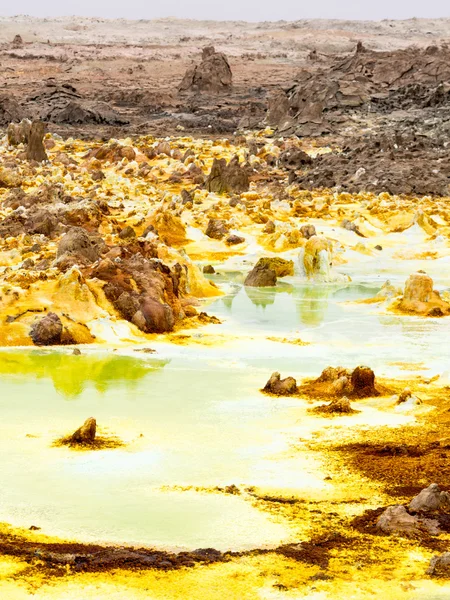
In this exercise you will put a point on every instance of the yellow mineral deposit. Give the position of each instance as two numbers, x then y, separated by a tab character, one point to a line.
267	361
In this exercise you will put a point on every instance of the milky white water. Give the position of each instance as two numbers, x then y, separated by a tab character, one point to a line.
194	416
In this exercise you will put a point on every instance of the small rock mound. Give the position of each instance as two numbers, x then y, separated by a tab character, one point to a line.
216	229
281	266
280	387
227	178
47	331
86	438
339	406
430	499
420	298
261	276
363	382
35	147
77	243
397	520
86	433
213	74
19	133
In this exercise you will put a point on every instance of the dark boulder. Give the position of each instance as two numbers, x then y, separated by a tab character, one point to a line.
261	276
47	331
363	382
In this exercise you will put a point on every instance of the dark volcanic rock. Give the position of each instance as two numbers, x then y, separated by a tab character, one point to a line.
278	108
213	74
396	163
47	331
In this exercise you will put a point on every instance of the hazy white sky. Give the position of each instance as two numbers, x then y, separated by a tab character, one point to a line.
251	10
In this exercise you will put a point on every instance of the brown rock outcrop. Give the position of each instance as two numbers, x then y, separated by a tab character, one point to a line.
213	74
217	229
280	387
261	276
79	244
227	178
35	147
86	433
47	331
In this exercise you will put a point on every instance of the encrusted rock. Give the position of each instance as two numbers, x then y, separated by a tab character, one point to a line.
127	233
281	387
19	133
233	240
281	266
396	519
47	331
337	406
430	499
208	270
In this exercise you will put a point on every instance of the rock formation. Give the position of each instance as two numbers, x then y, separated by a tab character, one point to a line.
86	433
35	147
430	499
212	75
281	266
396	520
261	276
19	133
317	257
78	245
227	178
278	109
420	298
217	229
280	387
47	331
339	406
338	382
